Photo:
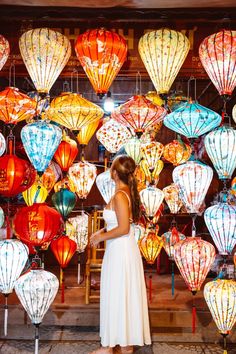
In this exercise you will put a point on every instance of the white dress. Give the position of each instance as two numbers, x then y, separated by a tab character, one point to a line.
123	303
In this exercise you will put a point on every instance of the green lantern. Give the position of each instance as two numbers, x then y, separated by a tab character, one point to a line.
64	201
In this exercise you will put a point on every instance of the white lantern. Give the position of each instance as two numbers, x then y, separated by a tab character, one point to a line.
2	218
83	175
132	148
106	185
151	198
2	144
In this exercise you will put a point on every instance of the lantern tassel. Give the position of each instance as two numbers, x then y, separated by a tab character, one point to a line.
36	350
62	285
78	269
193	317
225	344
172	278
150	288
5	315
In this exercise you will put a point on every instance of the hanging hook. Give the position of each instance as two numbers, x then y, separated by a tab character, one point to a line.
192	78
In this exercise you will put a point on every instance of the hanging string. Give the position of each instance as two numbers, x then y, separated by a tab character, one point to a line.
36	351
62	285
192	78
225	343
5	315
194	230
138	84
74	72
78	277
172	277
193	316
150	288
12	75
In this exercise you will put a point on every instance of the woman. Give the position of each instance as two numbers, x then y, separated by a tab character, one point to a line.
123	305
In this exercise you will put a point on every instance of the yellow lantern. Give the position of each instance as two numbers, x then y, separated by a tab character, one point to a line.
87	132
140	178
155	98
37	193
151	152
152	175
73	111
163	53
45	53
150	246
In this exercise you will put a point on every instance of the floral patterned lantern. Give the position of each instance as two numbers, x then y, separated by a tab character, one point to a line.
106	185
101	54
132	148
220	145
2	144
151	152
220	220
15	106
170	238
87	132
152	175
217	54
64	183
82	174
73	111
151	198
192	120
150	246
50	176
193	180
138	113
113	135
177	152
64	201
172	198
40	140
66	152
163	53
37	193
45	53
2	217
37	224
140	178
77	230
4	51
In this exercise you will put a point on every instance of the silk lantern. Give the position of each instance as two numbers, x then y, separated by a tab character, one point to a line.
170	238
87	132
151	152
66	152
220	220
220	145
192	120
64	201
73	111
151	198
40	140
152	175
101	54
13	257
2	217
193	180
155	98
172	198
217	54
234	113
36	291
132	148
2	144
177	152
64	183
45	53
163	52
82	174
37	193
150	246
4	51
51	175
105	185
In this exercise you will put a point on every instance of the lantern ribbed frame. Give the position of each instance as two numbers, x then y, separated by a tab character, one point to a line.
66	153
87	132
83	175
51	175
172	198
64	201
105	185
63	249
37	193
176	152
170	238
151	198
77	230
152	152
132	148
150	246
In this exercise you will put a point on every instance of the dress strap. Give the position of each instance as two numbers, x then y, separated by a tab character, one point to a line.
127	195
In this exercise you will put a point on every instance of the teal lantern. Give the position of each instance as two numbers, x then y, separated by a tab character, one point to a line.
220	145
64	201
192	120
40	140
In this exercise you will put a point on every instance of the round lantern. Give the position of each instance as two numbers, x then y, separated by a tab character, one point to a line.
132	148
150	246
51	175
37	193
172	198
113	135
192	120
66	152
45	53
87	132
217	54
77	230
82	174
151	198
16	175
220	145
163	53
40	140
138	113
177	152
4	51
151	152
152	175
170	238
64	201
37	224
15	106
2	144
2	218
220	220
101	54
106	185
193	180
73	111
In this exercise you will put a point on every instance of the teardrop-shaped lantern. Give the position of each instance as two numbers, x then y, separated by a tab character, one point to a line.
73	111
37	224
151	198
163	53
66	152
37	193
101	54
194	258
51	176
4	51
106	185
220	145
82	174
132	148
64	201
40	140
2	144
15	106
2	217
151	152
87	132
150	246
217	54
193	180
45	53
77	230
138	113
220	220
177	152
172	198
113	135
170	238
63	249
192	120
152	175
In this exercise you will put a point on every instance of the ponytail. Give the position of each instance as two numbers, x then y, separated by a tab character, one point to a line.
135	198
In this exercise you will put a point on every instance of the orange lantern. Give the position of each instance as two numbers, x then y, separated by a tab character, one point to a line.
101	54
150	246
50	176
151	152
4	51
140	178
66	152
64	183
177	152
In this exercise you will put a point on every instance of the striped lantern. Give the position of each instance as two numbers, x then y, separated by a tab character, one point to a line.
151	175
66	152
170	238
177	152
132	148
106	185
151	198
64	201
82	174
152	152
87	132
37	193
150	246
172	198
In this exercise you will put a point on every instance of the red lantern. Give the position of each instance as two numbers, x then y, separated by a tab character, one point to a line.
37	224
66	153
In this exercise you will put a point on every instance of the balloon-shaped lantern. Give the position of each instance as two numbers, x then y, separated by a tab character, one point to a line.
64	201
45	53
101	54
150	246
220	145
151	152
13	257
64	183
82	174
87	132
66	152
177	152
192	120
2	217
163	53
193	180
172	198
4	51
170	238
152	175
132	148
217	54
37	193
51	176
220	220
151	198
106	185
2	144
40	140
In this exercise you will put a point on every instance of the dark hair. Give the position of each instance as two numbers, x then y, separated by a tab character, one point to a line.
125	166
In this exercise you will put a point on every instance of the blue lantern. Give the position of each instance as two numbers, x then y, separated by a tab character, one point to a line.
220	145
64	201
220	220
40	140
192	120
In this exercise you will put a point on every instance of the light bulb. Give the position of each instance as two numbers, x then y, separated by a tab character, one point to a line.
108	103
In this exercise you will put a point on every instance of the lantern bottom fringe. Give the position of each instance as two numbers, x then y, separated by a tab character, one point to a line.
63	292
36	348
5	315
78	279
193	319
150	288
172	278
225	352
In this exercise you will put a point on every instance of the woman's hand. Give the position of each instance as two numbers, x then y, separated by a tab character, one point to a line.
95	238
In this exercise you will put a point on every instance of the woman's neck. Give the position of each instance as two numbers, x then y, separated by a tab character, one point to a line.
120	185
